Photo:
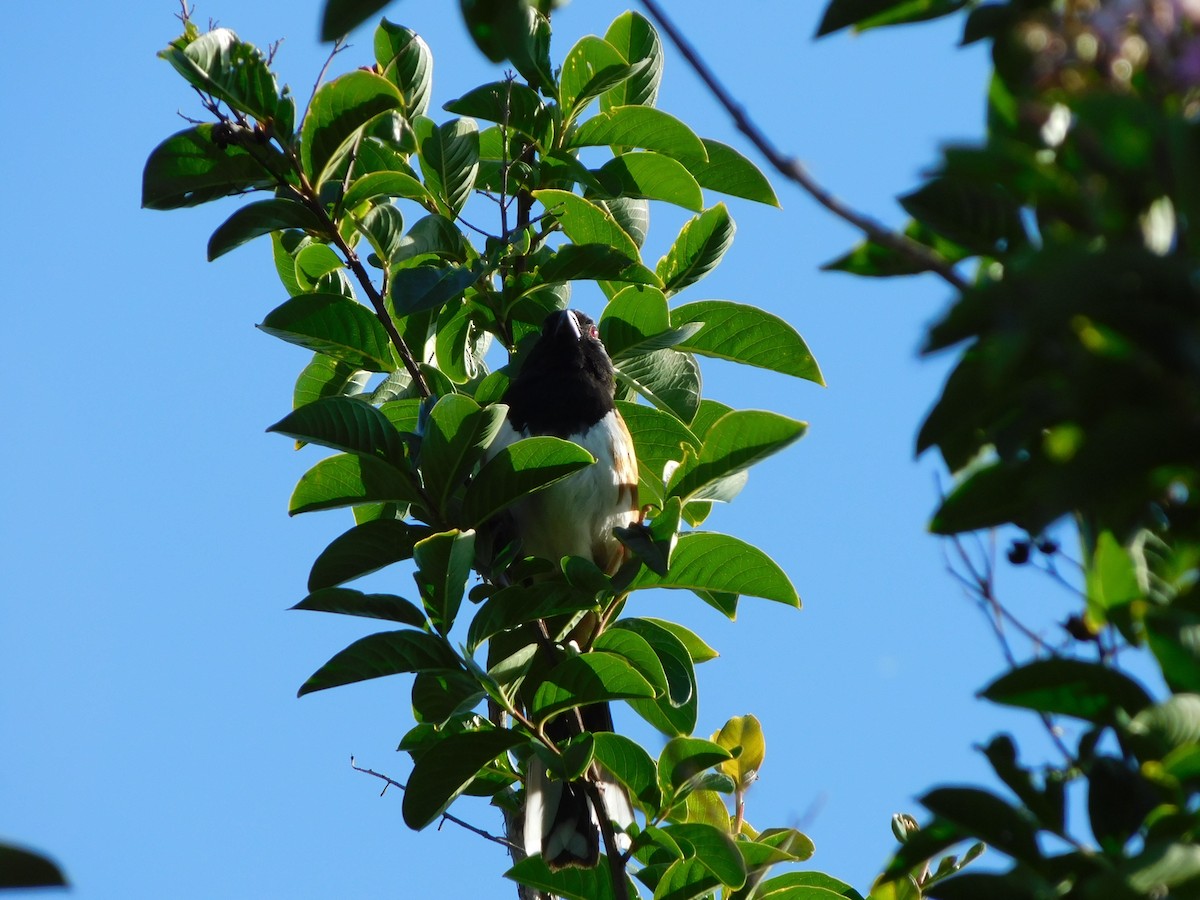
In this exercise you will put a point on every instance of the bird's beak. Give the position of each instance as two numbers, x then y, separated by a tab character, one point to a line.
566	319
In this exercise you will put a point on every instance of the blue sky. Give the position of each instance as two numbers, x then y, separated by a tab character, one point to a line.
153	742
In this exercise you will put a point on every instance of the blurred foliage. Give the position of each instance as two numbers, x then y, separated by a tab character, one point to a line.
1075	401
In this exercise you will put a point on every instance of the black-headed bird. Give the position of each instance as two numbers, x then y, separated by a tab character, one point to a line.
566	388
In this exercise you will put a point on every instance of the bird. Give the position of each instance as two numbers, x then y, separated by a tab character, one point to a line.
566	388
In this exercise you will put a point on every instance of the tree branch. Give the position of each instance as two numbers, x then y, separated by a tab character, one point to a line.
791	168
446	817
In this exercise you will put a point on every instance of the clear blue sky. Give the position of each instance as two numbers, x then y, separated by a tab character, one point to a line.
152	739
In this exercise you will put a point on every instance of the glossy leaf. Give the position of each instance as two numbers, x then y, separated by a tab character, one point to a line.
737	441
374	185
683	758
717	562
456	436
699	247
347	424
590	68
364	549
632	766
590	262
349	602
259	218
685	879
378	655
349	480
667	378
449	157
746	334
333	325
805	886
632	317
714	848
338	112
636	40
191	167
585	223
986	816
696	648
652	176
440	776
520	469
235	72
639	126
443	564
636	651
407	63
313	262
744	732
572	883
519	604
728	172
326	377
586	679
508	103
423	288
1069	687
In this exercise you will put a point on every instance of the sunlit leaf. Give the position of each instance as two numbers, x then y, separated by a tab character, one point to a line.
333	325
746	334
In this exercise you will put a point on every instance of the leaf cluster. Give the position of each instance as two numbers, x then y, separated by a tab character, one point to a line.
415	327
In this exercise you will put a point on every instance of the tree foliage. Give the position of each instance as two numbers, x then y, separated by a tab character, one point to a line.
415	325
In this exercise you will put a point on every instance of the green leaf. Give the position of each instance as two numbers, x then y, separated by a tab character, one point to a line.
232	71
443	564
570	884
744	732
636	651
651	176
591	67
350	480
508	103
667	378
863	14
407	62
340	17
1167	726
456	436
340	109
586	223
746	334
423	288
696	648
632	317
385	653
594	262
705	561
313	262
586	679
21	868
191	167
259	218
349	602
675	713
805	886
374	185
326	377
632	766
1069	687
347	424
728	172
636	40
333	325
1112	580
982	217
699	247
449	157
517	470
715	849
986	816
520	603
683	758
440	776
658	438
737	441
639	126
685	879
362	550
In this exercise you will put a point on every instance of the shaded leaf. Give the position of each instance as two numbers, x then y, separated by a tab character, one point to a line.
517	470
190	168
259	218
667	378
456	436
335	326
683	758
336	115
440	776
378	655
586	679
632	766
350	602
349	480
1069	687
407	62
449	157
364	549
347	424
443	564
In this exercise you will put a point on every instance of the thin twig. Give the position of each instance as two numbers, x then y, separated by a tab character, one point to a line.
791	168
446	817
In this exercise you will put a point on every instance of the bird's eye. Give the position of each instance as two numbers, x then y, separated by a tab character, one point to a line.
592	332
